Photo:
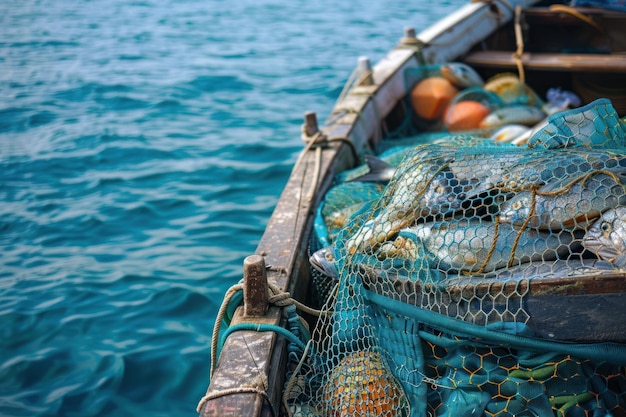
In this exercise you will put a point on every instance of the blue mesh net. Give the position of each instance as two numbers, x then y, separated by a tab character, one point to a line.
475	281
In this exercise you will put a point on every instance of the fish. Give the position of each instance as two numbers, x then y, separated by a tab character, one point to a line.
434	182
536	169
341	203
508	133
438	196
401	202
606	238
516	114
523	139
461	75
476	246
324	261
512	90
378	171
559	268
570	203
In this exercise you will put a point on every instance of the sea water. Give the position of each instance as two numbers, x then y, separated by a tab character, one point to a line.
143	146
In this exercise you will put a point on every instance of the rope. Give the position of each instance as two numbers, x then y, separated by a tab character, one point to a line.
507	5
309	142
316	174
519	41
573	12
531	213
583	178
492	249
317	141
232	391
312	141
259	327
218	322
356	78
282	298
277	297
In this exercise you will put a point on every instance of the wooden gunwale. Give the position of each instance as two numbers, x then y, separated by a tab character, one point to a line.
252	359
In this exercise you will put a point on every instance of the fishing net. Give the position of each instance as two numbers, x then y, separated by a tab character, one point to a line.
475	281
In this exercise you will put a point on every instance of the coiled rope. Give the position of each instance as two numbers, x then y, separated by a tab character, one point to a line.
277	297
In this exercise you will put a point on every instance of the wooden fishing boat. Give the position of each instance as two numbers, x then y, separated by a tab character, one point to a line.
581	49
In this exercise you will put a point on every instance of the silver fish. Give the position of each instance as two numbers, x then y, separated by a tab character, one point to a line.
435	180
558	268
508	133
461	75
473	245
518	114
323	260
607	237
535	169
401	204
438	180
568	203
439	196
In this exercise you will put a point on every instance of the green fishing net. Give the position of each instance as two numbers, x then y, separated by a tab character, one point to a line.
481	279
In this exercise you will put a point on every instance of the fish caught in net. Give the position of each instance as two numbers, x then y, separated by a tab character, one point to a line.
463	284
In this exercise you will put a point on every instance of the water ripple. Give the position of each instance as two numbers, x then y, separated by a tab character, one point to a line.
143	146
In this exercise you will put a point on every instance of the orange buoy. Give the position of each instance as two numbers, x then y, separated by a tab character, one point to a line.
361	386
431	96
465	115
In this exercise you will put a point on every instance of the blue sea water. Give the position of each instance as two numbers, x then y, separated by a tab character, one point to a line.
143	146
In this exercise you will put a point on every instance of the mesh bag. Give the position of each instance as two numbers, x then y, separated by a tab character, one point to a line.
454	283
596	124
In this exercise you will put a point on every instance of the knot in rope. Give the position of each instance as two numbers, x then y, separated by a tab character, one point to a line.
318	138
278	297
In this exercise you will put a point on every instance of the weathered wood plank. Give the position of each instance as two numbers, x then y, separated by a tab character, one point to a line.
549	61
583	317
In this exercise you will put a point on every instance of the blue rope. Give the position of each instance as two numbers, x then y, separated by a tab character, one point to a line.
263	328
604	352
